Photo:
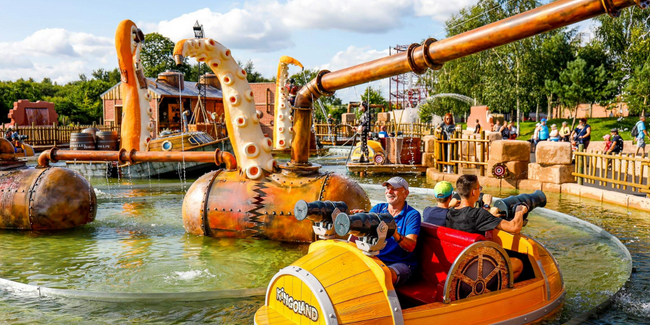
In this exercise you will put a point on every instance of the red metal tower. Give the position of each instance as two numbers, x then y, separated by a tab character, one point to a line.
405	89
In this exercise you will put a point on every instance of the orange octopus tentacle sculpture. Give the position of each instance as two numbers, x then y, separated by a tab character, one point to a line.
252	149
136	128
255	201
282	125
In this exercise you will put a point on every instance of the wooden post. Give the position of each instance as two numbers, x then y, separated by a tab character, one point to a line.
480	157
456	151
580	163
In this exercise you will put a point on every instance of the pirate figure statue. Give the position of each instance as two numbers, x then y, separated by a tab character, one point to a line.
364	123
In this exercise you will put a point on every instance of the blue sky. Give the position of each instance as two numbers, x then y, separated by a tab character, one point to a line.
62	39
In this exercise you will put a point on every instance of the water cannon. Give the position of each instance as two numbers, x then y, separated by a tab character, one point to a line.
371	229
508	206
322	214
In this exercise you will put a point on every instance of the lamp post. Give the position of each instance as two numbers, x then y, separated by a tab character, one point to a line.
198	30
202	89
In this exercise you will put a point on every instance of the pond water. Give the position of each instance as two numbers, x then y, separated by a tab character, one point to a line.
137	245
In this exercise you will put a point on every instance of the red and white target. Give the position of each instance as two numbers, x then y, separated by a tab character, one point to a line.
500	170
379	159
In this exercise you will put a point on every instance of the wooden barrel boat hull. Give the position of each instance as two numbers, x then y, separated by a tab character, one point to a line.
335	283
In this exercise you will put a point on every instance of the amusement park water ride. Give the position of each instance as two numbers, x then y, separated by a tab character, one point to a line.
460	275
340	283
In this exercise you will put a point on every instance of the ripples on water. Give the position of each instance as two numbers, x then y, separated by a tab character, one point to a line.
137	244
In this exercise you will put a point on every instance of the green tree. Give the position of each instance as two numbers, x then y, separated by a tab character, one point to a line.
251	74
157	57
110	76
626	42
330	104
637	90
373	96
580	84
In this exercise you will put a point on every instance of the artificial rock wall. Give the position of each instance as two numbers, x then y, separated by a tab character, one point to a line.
515	154
553	163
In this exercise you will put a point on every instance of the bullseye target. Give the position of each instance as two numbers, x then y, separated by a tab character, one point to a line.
500	170
379	159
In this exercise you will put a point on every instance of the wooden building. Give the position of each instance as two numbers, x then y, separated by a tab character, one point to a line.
166	101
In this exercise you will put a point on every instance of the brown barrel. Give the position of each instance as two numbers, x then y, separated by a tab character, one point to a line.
82	141
411	154
106	140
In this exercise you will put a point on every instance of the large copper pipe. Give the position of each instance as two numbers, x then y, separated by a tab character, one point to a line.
432	54
123	156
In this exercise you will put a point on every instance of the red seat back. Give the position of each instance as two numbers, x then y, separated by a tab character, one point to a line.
438	248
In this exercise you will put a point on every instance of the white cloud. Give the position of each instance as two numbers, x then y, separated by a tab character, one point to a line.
10	61
349	15
352	56
238	28
57	54
260	26
440	10
266	26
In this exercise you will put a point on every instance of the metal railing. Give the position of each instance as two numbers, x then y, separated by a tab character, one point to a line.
619	171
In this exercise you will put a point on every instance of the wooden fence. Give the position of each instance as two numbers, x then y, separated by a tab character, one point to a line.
619	171
54	135
461	151
337	134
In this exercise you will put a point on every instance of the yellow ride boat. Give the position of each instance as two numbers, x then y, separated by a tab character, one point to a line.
461	277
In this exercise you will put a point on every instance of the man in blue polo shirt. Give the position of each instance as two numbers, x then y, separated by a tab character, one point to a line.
399	253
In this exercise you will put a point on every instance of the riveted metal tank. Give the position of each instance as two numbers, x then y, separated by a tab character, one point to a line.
45	198
224	204
42	198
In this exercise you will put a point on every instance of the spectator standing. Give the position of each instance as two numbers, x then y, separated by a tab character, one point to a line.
616	146
330	119
613	146
565	132
438	214
513	130
608	142
543	133
505	131
9	134
447	126
555	134
497	127
582	134
477	128
640	137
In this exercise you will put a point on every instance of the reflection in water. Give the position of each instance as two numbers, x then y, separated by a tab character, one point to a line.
140	246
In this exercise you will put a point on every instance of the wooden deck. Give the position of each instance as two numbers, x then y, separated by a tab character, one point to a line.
386	169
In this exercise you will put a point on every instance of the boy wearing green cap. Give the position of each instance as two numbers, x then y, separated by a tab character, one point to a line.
438	214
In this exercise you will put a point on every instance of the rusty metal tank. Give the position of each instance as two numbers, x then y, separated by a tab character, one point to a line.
225	204
45	199
42	198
